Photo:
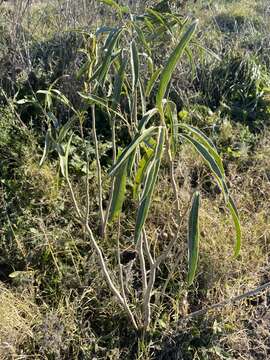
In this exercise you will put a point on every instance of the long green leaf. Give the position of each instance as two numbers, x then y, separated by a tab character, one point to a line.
47	147
146	118
141	171
172	62
120	9
134	58
151	82
235	216
103	70
217	171
130	149
119	79
119	192
206	142
149	185
193	238
94	99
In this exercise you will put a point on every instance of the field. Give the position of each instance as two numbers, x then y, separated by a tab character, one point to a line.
134	179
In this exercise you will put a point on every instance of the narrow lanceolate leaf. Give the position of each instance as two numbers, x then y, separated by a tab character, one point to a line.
47	147
171	114
211	162
130	148
206	142
151	82
172	62
145	119
64	158
193	238
235	216
119	79
134	58
103	71
94	99
65	128
120	9
119	192
141	171
149	185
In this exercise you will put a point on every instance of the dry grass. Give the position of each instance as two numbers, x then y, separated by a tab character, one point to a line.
18	316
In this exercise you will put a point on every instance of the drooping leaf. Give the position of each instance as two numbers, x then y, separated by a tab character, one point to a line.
94	99
172	62
211	162
145	119
130	148
193	238
206	142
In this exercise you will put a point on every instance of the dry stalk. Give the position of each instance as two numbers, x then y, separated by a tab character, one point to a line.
94	134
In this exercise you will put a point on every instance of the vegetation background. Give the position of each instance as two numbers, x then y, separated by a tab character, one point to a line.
54	301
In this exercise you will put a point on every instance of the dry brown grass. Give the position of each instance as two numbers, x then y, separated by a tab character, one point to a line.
18	316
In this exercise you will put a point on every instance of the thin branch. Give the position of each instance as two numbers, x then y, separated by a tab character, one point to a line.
229	301
94	132
122	279
107	213
142	264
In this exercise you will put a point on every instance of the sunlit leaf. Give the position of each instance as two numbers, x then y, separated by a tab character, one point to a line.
193	238
172	62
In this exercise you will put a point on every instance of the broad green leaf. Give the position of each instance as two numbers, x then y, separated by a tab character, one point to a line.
119	191
172	62
149	185
235	216
206	142
134	58
130	148
193	238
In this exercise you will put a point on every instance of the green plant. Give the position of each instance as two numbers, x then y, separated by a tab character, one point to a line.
120	76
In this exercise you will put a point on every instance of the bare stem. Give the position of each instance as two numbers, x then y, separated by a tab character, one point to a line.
94	132
142	264
122	280
107	213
